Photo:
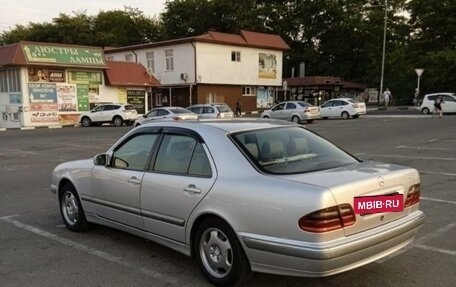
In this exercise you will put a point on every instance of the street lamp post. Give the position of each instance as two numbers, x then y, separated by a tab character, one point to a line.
383	52
419	72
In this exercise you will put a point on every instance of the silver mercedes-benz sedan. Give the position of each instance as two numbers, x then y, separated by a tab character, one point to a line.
244	195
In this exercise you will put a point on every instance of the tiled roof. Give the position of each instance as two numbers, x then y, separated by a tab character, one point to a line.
313	81
129	74
246	39
11	55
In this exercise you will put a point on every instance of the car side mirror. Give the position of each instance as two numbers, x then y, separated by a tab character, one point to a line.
144	116
100	159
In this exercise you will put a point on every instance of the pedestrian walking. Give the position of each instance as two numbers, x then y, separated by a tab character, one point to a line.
438	106
387	97
237	113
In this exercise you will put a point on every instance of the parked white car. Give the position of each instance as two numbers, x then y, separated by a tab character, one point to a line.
343	108
212	111
167	113
448	105
109	113
295	111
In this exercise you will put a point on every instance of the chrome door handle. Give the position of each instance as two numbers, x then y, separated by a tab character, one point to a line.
134	180
192	189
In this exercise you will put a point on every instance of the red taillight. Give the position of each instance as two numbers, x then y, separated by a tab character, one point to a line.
413	195
331	218
355	106
176	118
306	110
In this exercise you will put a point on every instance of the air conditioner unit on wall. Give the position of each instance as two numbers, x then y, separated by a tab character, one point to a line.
184	76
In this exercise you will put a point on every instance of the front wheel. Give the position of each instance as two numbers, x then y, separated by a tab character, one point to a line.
86	122
345	115
71	209
219	253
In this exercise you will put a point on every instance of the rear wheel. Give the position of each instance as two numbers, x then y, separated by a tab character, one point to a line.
425	111
266	117
86	122
356	116
118	121
295	119
71	209
219	253
345	115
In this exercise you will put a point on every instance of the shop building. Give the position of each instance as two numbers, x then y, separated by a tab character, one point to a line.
213	67
44	84
318	89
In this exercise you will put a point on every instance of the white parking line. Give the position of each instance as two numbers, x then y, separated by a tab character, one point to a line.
438	200
424	148
435	249
95	252
438	173
422	240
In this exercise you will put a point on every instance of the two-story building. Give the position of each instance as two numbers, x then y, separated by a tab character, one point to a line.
213	67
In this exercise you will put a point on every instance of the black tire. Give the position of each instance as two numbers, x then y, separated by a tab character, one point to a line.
117	121
309	121
295	119
356	116
345	115
86	122
71	209
325	118
425	111
266	117
214	244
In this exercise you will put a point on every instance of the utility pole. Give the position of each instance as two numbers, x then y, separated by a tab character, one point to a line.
383	53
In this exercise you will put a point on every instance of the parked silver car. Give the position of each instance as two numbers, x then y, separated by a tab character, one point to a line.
212	111
295	111
109	113
343	108
163	113
242	195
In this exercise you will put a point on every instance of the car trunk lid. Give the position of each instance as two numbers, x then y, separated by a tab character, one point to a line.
363	179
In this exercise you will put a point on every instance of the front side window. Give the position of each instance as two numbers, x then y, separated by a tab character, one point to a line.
134	153
169	55
279	107
290	150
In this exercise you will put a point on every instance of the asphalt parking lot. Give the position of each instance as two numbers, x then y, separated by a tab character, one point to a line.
37	250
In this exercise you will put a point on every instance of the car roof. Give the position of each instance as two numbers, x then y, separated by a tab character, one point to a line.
208	104
226	125
444	93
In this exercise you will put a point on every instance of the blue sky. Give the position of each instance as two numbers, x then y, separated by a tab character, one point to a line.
24	11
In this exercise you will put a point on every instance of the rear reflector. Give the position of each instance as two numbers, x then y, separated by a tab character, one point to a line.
413	195
328	219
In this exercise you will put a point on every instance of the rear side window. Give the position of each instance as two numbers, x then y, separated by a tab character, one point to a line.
208	110
223	108
129	107
291	106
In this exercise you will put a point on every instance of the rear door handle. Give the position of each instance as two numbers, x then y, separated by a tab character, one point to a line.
134	180
192	189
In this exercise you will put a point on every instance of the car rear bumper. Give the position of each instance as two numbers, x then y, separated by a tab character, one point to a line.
313	259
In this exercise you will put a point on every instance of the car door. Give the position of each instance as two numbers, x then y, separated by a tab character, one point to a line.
116	187
289	110
277	111
182	175
449	104
326	109
108	113
96	115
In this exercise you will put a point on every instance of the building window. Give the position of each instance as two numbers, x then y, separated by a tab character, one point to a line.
235	56
10	81
248	91
129	57
110	58
169	54
210	98
150	62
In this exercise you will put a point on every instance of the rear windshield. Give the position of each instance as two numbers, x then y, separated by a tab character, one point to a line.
129	107
223	108
290	150
305	104
180	111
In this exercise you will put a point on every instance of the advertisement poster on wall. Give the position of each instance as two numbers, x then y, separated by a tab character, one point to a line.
91	79
265	97
68	119
43	103
267	66
122	95
83	97
46	75
66	97
137	98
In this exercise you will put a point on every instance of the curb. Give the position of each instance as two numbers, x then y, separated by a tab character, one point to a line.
38	128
